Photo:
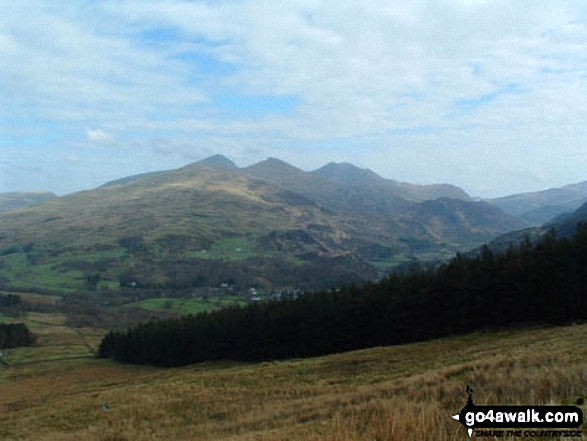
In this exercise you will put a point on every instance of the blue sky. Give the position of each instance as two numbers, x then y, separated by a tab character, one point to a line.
487	95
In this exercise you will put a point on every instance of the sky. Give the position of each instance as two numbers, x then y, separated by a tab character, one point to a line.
487	95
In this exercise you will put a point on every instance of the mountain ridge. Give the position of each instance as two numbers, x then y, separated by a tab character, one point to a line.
541	206
564	226
209	221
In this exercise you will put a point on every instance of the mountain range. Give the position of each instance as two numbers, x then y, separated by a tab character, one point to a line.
542	206
269	224
563	225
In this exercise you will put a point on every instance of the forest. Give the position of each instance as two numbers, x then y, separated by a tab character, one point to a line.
530	284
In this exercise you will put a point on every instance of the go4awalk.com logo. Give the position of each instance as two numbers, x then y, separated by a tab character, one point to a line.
520	421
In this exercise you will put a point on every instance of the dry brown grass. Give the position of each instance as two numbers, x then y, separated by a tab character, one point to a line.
395	393
34	299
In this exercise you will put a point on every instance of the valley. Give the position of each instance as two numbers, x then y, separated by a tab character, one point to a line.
293	221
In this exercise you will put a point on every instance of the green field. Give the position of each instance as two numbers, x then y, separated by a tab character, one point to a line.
22	274
55	340
227	248
189	305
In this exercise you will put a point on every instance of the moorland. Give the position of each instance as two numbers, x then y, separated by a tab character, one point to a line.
58	390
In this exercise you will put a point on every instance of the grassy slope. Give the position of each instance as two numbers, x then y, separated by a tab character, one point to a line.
395	393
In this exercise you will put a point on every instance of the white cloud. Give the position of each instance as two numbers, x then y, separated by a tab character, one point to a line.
349	63
99	136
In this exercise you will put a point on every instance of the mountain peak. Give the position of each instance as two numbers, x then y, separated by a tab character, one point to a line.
339	165
217	161
273	165
344	172
274	162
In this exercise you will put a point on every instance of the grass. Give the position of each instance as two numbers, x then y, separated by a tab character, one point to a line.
232	248
187	306
384	264
35	299
24	275
55	340
394	393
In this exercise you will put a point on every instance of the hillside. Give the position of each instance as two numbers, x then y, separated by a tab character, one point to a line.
14	201
58	390
270	225
409	219
542	206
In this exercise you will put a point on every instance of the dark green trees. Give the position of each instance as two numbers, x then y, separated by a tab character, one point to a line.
15	335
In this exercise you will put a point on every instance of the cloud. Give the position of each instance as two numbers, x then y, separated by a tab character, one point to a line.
74	69
341	63
337	80
99	136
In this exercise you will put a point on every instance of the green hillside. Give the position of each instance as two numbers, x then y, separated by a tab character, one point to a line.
269	225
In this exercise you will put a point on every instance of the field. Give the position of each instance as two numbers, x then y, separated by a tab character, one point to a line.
59	391
188	305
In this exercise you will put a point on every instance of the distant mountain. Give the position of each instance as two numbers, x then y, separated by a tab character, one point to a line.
459	221
580	187
155	177
279	172
269	224
14	201
131	179
218	161
541	206
345	188
564	225
350	175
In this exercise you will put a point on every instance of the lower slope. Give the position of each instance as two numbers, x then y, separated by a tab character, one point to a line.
397	393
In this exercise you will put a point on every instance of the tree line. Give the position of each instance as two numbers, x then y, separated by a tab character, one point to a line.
528	284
